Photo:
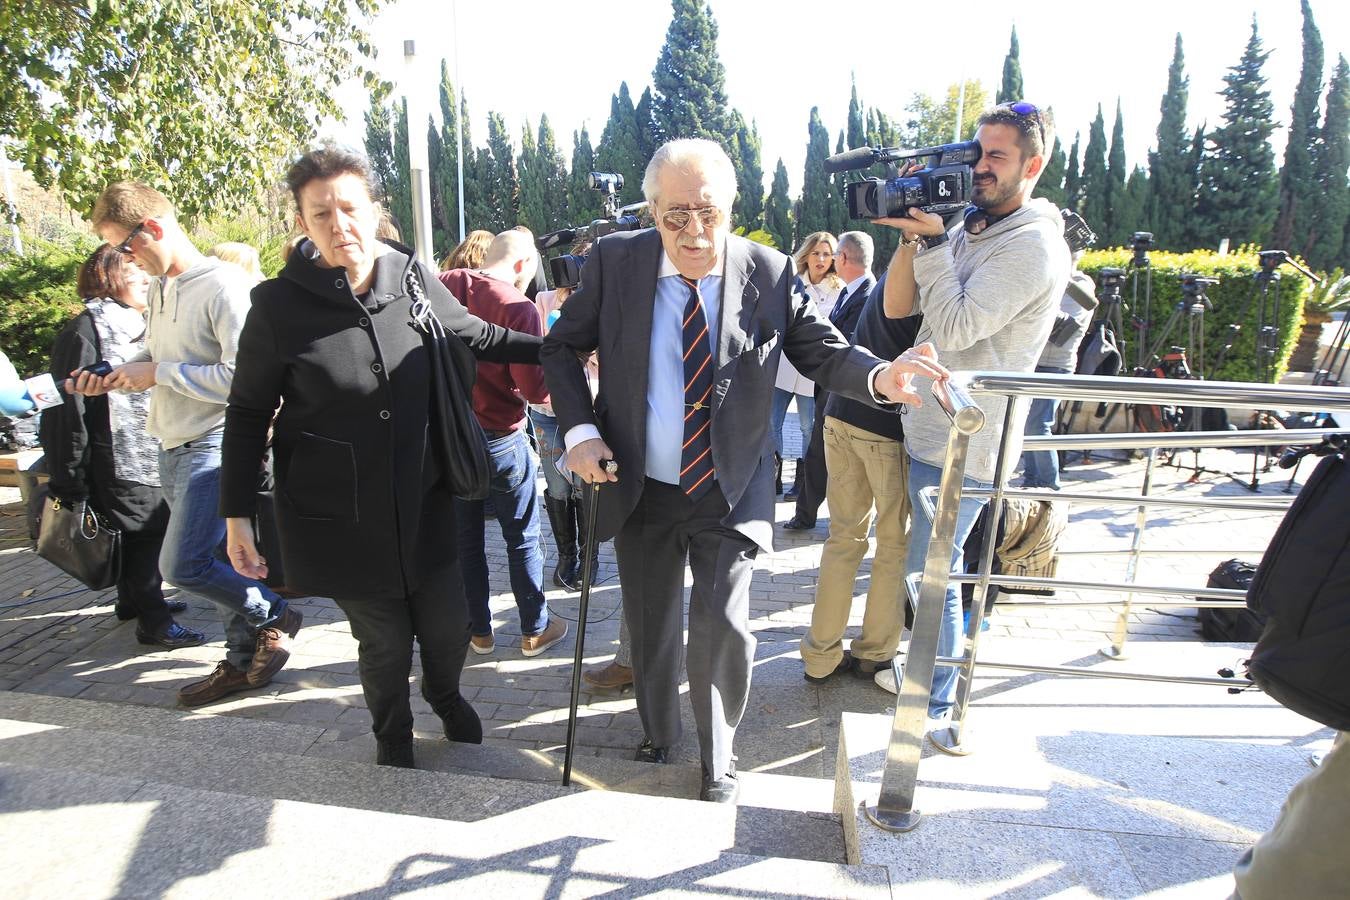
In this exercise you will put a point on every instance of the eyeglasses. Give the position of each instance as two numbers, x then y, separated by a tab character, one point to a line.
124	248
678	219
1033	112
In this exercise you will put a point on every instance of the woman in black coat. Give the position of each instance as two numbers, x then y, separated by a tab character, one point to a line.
362	508
96	448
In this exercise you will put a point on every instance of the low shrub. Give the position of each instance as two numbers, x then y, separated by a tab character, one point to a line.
37	298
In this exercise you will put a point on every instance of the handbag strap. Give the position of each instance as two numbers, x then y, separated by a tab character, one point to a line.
424	318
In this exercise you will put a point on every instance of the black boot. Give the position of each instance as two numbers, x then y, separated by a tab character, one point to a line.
398	754
778	475
590	554
562	518
797	473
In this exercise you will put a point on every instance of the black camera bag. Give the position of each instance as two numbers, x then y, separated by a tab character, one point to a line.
1303	588
1231	624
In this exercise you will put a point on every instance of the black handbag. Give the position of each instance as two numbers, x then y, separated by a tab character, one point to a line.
81	543
455	434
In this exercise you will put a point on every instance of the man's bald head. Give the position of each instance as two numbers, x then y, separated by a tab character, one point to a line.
511	257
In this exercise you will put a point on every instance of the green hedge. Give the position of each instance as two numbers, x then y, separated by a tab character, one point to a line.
1235	272
37	298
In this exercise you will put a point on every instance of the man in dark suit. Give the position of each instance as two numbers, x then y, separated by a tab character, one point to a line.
853	263
689	321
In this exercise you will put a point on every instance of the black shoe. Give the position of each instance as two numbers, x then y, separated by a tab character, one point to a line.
867	668
797	523
171	637
126	614
397	754
462	725
649	752
720	790
777	475
846	664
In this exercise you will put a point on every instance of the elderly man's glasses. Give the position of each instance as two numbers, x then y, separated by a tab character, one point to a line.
1031	111
678	219
124	248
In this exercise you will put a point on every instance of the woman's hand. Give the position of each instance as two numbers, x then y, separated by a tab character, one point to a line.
242	549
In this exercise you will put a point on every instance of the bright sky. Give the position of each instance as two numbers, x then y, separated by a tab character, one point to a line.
522	58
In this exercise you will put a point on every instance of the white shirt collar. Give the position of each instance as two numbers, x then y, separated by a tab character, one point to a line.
668	266
855	284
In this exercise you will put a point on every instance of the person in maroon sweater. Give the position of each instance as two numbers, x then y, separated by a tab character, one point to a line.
494	294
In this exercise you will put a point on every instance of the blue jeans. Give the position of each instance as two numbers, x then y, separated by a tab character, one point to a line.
557	485
922	475
191	557
1040	468
806	416
515	500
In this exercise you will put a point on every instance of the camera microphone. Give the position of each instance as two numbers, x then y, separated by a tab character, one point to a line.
858	158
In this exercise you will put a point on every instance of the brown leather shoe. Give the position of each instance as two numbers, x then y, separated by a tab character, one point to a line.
611	676
225	680
533	645
273	647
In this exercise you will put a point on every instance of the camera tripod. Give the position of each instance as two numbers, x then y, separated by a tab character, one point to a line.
1142	323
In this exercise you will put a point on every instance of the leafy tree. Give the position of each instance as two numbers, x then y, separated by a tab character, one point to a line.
205	101
933	121
583	204
400	198
1329	228
1073	182
778	209
1092	186
380	147
1297	184
620	148
689	97
1051	183
1120	220
1011	89
814	211
748	211
1171	181
1238	188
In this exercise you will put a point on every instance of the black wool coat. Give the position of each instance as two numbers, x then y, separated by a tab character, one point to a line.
361	508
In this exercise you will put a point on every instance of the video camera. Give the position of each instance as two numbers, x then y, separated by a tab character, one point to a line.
1077	234
566	269
942	186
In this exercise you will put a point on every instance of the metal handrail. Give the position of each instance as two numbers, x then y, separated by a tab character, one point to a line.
894	809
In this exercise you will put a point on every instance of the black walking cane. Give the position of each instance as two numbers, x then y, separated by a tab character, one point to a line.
592	501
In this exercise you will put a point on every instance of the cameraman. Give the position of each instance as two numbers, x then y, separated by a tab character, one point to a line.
988	290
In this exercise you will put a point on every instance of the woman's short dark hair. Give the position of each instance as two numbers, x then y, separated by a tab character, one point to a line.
329	161
102	275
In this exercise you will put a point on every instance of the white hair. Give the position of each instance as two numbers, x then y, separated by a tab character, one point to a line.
860	241
694	155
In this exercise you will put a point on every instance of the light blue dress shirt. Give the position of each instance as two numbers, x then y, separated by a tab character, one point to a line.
665	368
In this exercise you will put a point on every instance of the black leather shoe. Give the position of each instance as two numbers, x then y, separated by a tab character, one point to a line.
462	725
649	752
719	790
867	668
845	665
171	637
796	523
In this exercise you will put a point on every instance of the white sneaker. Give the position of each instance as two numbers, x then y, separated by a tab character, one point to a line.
885	679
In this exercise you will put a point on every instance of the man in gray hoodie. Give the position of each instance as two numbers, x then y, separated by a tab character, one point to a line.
988	290
196	310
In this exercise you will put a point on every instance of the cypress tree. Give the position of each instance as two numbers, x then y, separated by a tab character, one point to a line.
778	210
1051	183
1328	240
857	130
647	137
1192	236
442	237
533	214
748	212
380	148
838	210
583	204
619	149
1238	188
1011	89
1297	184
1073	186
1120	220
400	199
1171	187
1092	185
552	176
500	177
444	171
814	212
689	97
1136	202
479	212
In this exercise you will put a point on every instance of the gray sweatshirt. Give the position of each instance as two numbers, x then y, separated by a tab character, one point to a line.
988	301
194	325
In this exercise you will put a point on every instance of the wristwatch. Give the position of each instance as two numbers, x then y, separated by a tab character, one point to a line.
936	240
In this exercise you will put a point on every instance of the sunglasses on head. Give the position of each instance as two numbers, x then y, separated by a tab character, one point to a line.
1031	111
124	248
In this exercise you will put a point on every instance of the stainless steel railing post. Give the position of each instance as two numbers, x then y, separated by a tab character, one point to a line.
894	809
1122	633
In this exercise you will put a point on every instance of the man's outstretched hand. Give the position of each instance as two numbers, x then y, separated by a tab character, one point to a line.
895	382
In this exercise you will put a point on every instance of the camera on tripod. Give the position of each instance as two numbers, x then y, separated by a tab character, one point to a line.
566	269
942	186
1111	279
1193	287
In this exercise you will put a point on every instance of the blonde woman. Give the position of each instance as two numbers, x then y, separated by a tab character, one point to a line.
470	252
242	255
817	279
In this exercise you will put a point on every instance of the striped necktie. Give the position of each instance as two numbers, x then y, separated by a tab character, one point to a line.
696	464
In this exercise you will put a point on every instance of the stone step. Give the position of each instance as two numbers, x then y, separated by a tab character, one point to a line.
780	816
82	833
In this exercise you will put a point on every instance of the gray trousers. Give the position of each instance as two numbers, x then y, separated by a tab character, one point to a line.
664	530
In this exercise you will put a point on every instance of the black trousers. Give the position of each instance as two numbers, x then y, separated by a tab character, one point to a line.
437	615
811	480
139	588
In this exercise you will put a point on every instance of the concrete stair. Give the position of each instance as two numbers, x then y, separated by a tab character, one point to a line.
104	799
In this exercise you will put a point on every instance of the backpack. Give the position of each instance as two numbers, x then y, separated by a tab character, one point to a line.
1231	625
1303	588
